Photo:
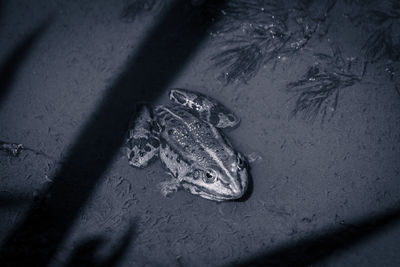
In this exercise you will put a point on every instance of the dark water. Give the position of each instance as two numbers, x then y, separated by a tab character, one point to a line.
315	84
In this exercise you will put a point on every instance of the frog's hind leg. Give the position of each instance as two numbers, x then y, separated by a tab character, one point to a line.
142	143
207	108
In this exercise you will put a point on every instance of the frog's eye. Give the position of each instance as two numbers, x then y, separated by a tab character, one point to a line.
209	177
241	163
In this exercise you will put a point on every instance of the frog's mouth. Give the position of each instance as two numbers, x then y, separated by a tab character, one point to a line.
222	197
220	191
206	193
218	197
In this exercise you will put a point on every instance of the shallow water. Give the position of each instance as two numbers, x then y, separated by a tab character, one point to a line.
314	176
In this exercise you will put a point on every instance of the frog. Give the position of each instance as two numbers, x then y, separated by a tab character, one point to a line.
186	135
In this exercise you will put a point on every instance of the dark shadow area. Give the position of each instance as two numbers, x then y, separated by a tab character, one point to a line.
319	246
13	199
159	59
9	68
139	8
87	252
2	4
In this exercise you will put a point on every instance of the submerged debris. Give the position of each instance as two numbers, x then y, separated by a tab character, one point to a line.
14	149
319	87
254	157
397	88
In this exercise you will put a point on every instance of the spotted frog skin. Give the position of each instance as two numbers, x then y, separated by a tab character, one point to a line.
185	136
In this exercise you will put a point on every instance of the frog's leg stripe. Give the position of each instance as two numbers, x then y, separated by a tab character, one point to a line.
143	142
207	108
173	161
177	96
188	99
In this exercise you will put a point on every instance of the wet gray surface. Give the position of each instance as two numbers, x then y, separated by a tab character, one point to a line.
314	178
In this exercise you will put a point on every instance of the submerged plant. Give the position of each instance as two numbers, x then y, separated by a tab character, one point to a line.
319	88
260	31
382	20
239	13
243	57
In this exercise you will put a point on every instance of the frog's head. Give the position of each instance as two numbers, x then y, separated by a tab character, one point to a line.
221	181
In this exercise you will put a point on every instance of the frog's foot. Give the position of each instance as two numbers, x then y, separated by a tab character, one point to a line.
169	187
207	108
254	157
143	142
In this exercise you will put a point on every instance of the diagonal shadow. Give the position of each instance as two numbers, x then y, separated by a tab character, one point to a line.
161	56
8	200
313	249
1	9
85	253
17	57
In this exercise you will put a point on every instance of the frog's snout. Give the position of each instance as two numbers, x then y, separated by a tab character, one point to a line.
236	192
238	187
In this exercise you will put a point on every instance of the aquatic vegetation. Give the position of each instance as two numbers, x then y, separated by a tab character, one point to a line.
382	20
240	13
319	88
244	56
261	31
255	33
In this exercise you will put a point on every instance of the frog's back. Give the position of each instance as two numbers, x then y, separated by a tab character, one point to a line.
191	137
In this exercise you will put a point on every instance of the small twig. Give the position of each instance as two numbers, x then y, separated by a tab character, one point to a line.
397	88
